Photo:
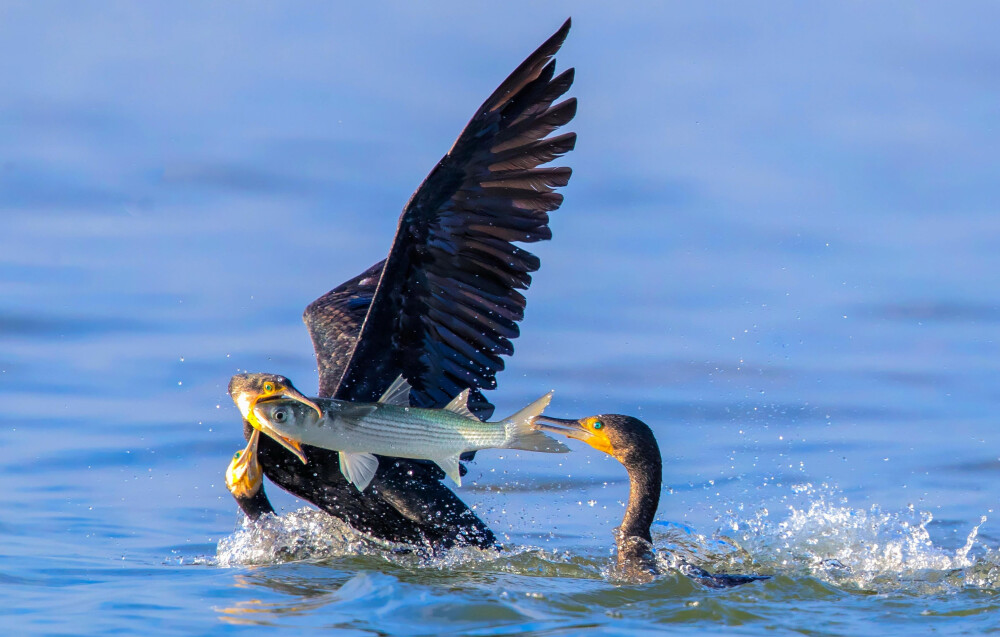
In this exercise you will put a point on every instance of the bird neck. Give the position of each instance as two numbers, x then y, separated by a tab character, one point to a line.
256	505
634	539
645	479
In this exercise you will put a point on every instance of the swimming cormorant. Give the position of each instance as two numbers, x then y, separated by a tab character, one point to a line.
441	309
632	443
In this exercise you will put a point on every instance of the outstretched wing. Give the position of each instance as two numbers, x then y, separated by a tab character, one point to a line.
334	321
447	303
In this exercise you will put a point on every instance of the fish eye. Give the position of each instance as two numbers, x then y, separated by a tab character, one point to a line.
268	386
279	416
598	424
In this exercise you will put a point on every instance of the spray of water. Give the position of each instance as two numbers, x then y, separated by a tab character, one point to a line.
866	549
311	535
819	536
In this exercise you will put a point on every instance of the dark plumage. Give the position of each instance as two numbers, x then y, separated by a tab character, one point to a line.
447	304
443	307
632	443
256	503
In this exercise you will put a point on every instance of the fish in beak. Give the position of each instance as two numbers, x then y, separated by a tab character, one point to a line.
287	393
249	389
292	445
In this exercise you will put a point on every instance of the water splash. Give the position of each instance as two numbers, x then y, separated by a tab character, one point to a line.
679	544
311	535
867	549
305	534
820	537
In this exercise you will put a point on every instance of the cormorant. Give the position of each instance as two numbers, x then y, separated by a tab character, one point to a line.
632	443
441	309
245	480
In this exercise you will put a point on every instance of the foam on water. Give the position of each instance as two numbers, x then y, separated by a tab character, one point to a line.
306	534
311	535
819	537
868	549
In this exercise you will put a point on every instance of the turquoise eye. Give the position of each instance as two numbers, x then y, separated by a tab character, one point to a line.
236	456
268	387
598	424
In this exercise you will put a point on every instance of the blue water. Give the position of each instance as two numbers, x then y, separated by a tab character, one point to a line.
779	249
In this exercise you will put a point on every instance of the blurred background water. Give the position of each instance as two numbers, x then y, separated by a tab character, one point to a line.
779	249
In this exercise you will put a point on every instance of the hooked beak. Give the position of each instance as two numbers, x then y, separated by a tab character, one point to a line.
570	428
291	393
588	430
292	445
287	443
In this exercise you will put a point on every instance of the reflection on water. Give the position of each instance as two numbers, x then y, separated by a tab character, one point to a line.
394	605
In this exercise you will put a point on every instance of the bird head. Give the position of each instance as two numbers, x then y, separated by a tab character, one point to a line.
622	437
244	474
247	390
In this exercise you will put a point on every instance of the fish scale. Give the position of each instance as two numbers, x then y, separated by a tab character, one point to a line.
359	431
438	430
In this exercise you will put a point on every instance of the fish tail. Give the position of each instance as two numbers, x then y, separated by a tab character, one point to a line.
521	432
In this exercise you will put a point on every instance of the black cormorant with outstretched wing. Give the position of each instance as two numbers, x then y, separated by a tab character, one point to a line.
441	309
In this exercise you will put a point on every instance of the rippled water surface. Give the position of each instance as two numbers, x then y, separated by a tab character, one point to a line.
779	249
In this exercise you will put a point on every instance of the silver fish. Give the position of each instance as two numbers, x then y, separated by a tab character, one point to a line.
391	427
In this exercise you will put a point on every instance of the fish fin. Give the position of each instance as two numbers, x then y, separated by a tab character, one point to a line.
398	393
450	467
521	432
460	405
358	468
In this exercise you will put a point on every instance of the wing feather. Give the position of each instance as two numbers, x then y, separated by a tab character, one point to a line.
447	305
442	309
334	321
